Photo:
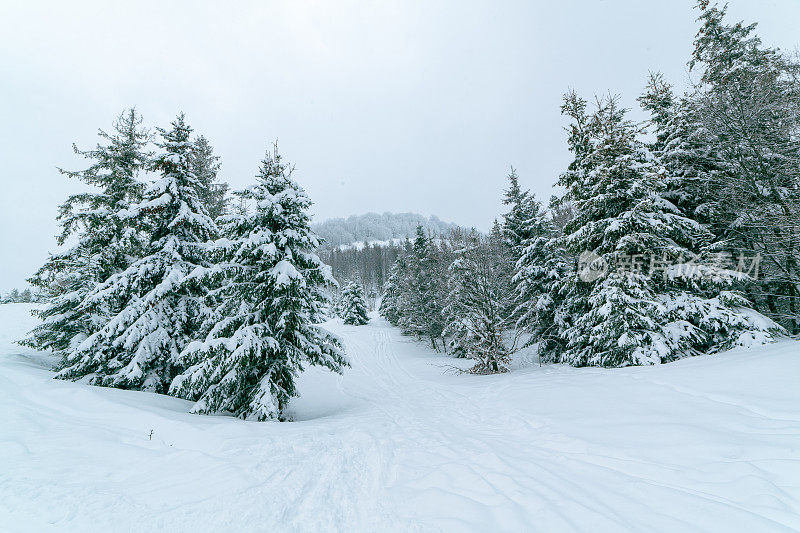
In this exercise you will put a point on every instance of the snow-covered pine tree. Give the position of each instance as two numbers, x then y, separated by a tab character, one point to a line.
334	303
269	288
627	314
354	307
505	263
564	299
104	240
152	315
416	289
424	289
541	263
683	146
205	166
748	102
392	300
523	208
478	313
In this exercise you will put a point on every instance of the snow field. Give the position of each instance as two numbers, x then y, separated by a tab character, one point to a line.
400	444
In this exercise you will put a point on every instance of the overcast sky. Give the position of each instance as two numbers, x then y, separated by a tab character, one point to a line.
383	106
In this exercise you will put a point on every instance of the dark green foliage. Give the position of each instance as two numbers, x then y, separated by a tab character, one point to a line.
628	312
353	307
479	312
416	291
266	294
205	165
151	314
108	240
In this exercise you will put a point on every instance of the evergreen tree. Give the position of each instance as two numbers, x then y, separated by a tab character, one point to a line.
335	303
478	312
561	212
748	102
627	313
205	165
105	239
268	288
693	169
523	208
540	265
392	305
152	315
354	308
425	290
13	296
416	290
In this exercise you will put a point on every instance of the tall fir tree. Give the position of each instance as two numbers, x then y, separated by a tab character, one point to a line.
152	313
626	313
748	102
354	307
268	288
392	300
540	265
683	146
425	289
478	310
105	241
517	222
416	290
205	166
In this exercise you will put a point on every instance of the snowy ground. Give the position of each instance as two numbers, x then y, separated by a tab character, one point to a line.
706	444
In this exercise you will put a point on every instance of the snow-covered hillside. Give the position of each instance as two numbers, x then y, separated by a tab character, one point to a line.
362	245
398	443
377	228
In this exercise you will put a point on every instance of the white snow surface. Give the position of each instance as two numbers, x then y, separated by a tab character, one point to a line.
360	245
397	444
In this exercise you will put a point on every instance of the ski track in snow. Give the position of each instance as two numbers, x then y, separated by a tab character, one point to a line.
399	444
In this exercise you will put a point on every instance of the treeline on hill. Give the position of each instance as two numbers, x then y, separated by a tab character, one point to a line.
659	248
16	296
167	290
371	227
368	265
363	248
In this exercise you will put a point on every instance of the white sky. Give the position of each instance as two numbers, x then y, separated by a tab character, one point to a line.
383	106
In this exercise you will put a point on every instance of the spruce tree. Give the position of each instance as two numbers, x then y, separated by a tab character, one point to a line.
523	208
354	308
392	305
205	166
152	314
748	102
103	241
425	289
478	312
629	312
694	171
416	290
540	265
268	288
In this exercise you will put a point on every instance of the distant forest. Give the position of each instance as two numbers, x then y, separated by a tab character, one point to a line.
376	227
363	248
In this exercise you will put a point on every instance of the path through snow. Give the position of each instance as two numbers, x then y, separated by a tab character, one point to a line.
398	444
